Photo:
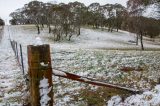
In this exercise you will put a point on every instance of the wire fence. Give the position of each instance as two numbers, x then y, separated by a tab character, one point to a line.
20	56
17	49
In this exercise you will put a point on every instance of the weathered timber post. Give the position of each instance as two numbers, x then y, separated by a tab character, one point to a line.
39	62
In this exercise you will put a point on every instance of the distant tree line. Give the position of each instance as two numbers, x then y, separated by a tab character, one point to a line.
2	23
67	19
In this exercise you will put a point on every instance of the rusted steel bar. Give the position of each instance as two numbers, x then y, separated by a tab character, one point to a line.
91	81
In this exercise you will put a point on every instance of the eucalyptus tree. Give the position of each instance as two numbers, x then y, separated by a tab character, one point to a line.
110	16
63	21
15	18
18	17
146	2
87	17
102	17
78	10
67	20
48	12
136	10
94	8
120	13
56	12
152	27
143	25
34	11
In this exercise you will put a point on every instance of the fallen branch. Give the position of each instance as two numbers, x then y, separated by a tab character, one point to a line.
92	81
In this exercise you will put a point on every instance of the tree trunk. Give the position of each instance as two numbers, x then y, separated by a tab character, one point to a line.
117	29
38	29
42	26
141	38
79	31
111	29
108	28
102	29
49	27
137	39
117	25
102	24
70	37
97	26
59	37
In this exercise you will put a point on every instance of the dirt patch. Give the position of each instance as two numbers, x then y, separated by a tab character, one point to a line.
128	69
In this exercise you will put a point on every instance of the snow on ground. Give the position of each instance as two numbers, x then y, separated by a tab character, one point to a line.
148	98
89	38
132	69
126	68
85	56
1	27
11	86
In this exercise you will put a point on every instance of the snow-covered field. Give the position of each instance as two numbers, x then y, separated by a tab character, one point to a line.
89	39
86	55
148	98
132	69
11	78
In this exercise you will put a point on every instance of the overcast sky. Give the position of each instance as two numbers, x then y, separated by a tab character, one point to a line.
8	6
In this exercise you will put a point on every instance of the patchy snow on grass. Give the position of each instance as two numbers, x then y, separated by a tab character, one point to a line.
115	100
89	38
148	98
12	86
107	66
127	68
83	56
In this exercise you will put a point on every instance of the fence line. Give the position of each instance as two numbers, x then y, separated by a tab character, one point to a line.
21	54
18	54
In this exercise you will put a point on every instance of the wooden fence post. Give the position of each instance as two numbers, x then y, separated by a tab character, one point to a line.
39	62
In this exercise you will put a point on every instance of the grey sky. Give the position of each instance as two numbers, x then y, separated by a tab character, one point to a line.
8	6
